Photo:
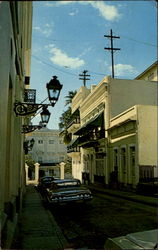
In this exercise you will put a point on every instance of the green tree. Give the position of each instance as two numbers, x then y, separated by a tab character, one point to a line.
65	118
69	97
30	162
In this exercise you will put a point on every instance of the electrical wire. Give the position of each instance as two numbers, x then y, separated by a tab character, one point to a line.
38	59
134	40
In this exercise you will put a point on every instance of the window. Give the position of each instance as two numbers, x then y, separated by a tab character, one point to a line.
40	141
132	160
115	158
51	141
123	160
150	76
39	159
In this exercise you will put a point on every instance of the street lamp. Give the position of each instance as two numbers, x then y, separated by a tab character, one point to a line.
28	145
53	87
45	115
29	107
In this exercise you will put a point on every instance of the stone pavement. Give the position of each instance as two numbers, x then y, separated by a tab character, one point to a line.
37	229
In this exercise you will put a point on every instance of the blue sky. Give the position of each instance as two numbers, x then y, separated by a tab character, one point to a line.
68	38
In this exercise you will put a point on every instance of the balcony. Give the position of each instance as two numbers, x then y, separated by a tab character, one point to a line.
91	138
74	123
73	148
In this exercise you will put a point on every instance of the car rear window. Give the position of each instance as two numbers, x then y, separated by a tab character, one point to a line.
68	184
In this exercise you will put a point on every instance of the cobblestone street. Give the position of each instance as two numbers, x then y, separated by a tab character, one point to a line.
89	225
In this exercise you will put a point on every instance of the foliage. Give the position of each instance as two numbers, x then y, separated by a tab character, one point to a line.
30	162
69	97
68	165
65	118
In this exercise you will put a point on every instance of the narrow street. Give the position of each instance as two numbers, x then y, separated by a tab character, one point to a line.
89	225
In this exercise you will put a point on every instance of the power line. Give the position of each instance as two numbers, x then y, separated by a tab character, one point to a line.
134	40
38	59
70	41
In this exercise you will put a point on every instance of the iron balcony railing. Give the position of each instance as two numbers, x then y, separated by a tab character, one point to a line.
74	121
73	149
92	136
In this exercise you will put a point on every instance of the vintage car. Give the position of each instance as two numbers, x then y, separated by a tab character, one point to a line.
45	182
140	240
67	190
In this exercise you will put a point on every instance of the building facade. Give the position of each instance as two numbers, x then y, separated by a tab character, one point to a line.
150	74
48	150
133	145
93	150
15	54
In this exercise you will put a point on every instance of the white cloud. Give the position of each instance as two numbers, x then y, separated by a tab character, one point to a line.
62	59
45	30
124	69
73	13
85	51
108	12
58	3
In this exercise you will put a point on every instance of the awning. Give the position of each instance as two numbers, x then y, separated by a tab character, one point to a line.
74	143
76	113
122	123
97	121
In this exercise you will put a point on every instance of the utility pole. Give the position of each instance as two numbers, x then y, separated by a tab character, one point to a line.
112	49
84	77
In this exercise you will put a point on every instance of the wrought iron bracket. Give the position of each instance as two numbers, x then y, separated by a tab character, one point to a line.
30	128
24	109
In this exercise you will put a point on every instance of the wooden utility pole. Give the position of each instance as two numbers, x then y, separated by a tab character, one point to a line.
112	49
84	77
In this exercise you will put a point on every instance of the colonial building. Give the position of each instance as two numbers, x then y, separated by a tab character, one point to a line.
15	54
150	74
133	145
48	150
92	147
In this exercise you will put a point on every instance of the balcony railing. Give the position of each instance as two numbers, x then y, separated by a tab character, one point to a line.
92	136
73	149
74	121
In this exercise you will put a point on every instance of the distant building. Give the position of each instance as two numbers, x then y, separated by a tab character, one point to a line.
150	74
48	150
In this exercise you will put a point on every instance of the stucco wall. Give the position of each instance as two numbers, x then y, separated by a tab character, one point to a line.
148	135
50	152
124	94
12	71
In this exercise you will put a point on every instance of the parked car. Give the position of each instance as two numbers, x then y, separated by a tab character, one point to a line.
67	190
45	182
139	240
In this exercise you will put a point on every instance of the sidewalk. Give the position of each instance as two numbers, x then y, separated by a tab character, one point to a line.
148	200
37	228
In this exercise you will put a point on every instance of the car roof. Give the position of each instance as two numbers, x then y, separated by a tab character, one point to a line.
47	177
66	180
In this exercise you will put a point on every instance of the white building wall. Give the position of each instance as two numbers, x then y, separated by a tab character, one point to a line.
148	135
13	66
124	94
48	147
